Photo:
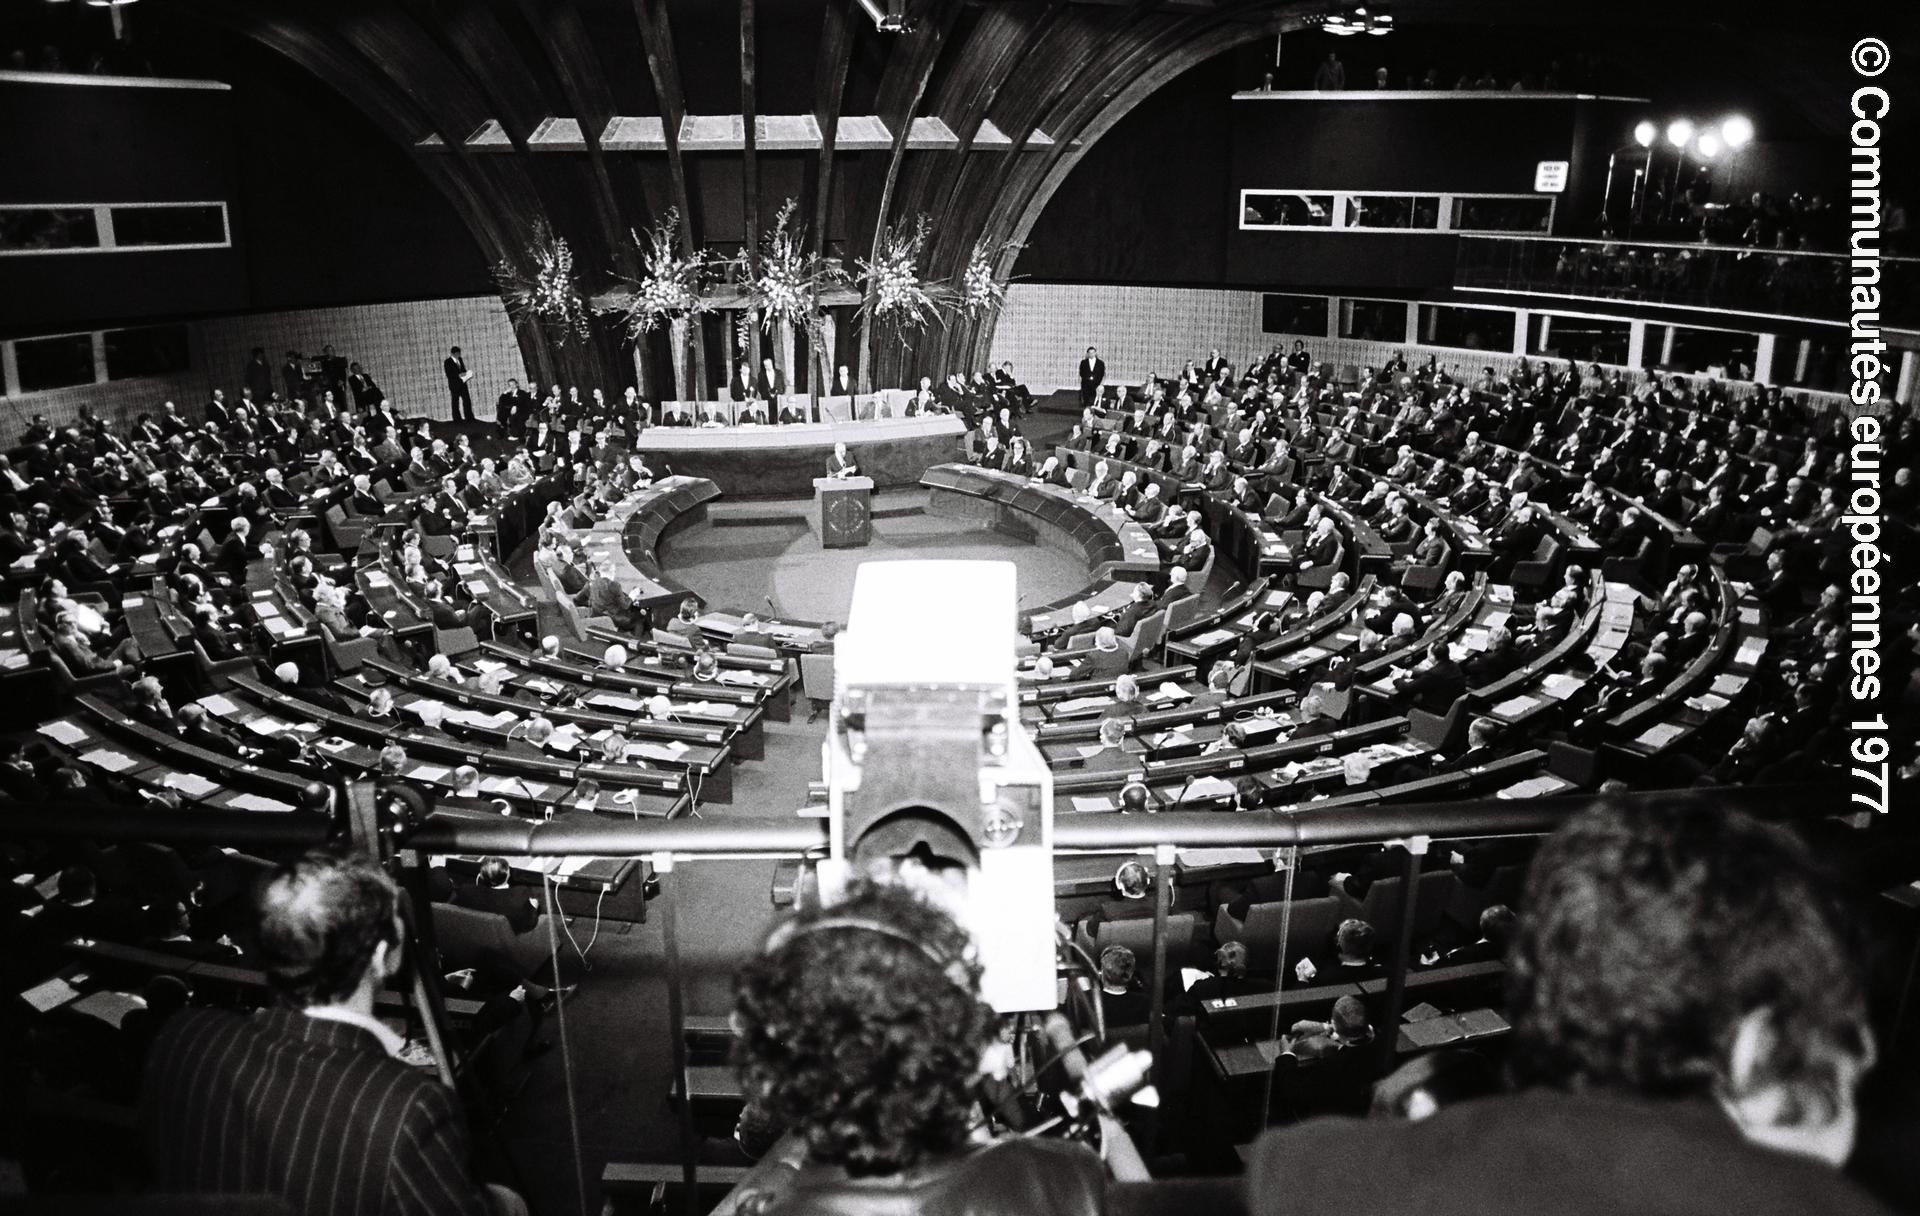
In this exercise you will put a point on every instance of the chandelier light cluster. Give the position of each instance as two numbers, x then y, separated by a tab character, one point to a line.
1358	20
544	289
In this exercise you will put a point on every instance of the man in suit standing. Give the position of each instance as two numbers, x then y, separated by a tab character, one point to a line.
771	383
1093	374
392	1137
457	377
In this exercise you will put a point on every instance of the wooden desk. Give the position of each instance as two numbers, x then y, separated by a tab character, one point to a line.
782	461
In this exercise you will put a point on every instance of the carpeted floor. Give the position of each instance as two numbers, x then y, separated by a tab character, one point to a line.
747	554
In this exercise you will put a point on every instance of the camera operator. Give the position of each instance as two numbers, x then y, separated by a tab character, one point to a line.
862	1031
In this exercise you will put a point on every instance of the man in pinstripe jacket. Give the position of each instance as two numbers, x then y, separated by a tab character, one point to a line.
309	1102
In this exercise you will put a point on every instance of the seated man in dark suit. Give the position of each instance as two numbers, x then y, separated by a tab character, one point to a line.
1753	1021
1123	1001
1177	587
492	891
1347	1030
1497	924
604	596
1106	658
1350	961
1433	686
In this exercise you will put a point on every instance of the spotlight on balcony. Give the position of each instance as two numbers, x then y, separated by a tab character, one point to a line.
1737	131
1644	133
1679	132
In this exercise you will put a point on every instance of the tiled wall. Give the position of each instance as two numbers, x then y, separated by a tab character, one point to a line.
1045	328
401	345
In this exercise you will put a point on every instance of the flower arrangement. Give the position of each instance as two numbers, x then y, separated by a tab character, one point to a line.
551	294
895	293
785	283
980	291
670	285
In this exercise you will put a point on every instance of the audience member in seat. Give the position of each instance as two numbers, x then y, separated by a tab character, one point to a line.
1113	756
1177	587
1351	961
687	623
492	891
1709	1070
79	909
1433	685
1229	979
1497	923
1347	1029
1122	1000
1106	658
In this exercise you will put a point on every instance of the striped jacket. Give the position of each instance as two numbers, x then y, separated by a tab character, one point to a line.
312	1111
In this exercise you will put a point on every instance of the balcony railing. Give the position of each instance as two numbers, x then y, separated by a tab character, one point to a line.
1716	278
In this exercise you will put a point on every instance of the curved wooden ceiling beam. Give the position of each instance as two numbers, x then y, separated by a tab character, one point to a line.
563	41
830	87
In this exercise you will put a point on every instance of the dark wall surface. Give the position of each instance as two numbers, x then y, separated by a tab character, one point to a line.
1156	200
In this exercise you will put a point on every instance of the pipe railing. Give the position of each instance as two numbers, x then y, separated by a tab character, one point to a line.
693	839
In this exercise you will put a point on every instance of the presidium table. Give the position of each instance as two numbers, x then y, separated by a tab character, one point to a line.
782	461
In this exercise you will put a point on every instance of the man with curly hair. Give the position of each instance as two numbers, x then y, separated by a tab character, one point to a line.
1689	1034
863	1033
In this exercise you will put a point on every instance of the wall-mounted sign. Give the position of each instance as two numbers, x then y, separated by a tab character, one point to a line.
1550	176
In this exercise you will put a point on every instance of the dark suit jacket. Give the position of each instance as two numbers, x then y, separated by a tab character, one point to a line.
1540	1151
1434	689
312	1111
516	906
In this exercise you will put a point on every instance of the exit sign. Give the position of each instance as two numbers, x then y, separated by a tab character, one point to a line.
1550	176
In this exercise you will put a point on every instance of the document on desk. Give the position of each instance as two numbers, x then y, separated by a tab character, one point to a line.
193	785
50	995
1088	803
63	731
254	802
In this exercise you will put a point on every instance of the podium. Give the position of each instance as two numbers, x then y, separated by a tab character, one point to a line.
843	509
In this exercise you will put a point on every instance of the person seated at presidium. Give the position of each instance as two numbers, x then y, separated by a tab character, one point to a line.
1708	1071
861	1030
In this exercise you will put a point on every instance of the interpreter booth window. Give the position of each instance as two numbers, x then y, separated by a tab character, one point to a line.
1303	315
1467	328
46	229
184	224
1700	352
1374	320
49	363
1282	209
152	350
1585	339
1405	211
1502	214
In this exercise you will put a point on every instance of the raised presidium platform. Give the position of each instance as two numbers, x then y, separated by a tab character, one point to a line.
757	461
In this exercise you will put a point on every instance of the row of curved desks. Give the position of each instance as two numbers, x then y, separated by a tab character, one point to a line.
782	461
1114	546
630	533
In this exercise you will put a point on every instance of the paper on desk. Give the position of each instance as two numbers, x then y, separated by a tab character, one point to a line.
1089	750
478	586
193	785
1559	685
610	700
429	772
1213	637
110	1007
1168	691
1209	787
254	802
1661	735
13	660
62	731
1513	707
108	759
50	995
741	677
265	608
1091	802
488	665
